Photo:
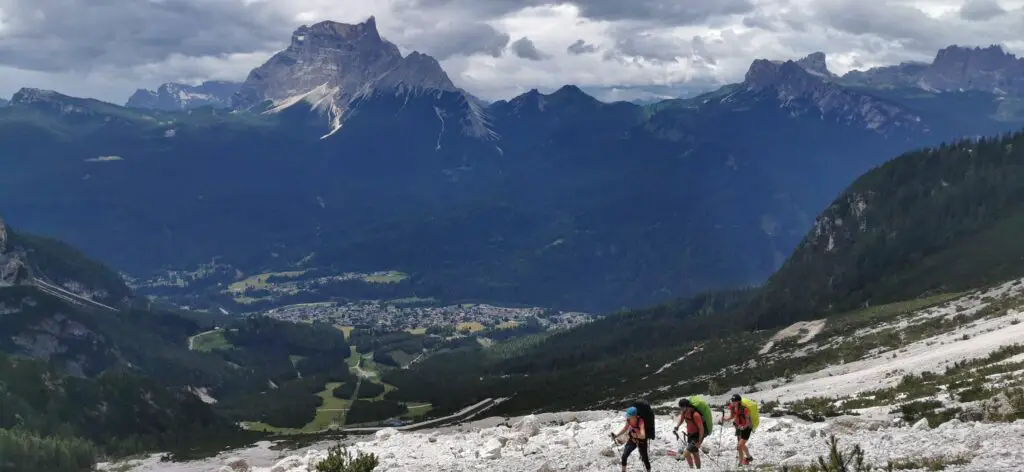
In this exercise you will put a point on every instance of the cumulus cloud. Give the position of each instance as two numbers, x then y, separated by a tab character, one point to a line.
525	49
637	48
581	47
981	10
62	35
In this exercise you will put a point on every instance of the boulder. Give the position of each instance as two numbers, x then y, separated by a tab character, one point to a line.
528	426
238	465
921	425
385	434
490	450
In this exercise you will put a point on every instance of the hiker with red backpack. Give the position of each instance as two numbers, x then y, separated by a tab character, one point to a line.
694	431
740	415
636	438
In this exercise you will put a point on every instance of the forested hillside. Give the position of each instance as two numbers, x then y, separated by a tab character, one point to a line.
92	380
938	220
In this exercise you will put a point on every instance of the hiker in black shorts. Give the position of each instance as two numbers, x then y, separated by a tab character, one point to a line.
740	417
694	432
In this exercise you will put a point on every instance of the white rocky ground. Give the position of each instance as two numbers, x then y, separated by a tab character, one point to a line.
538	444
579	441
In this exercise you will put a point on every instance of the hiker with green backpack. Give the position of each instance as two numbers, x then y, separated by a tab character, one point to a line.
743	414
695	413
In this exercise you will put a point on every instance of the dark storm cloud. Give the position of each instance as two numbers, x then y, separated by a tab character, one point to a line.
581	47
524	48
915	31
56	35
980	10
446	40
659	48
675	12
900	22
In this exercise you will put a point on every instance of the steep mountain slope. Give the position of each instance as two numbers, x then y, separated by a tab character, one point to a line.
353	159
73	367
940	219
916	232
129	378
927	385
174	96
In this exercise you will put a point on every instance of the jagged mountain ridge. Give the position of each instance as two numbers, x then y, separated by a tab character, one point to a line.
955	68
601	177
175	96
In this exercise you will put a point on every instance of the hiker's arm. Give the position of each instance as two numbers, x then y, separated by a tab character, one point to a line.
643	432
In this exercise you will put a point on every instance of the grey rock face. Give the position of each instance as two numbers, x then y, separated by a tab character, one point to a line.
906	74
12	265
990	69
353	59
955	68
815	64
803	92
174	96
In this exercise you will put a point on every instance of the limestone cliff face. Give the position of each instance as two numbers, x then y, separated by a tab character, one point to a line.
954	68
12	266
351	59
806	87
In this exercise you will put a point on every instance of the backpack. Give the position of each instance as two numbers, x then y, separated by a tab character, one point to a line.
705	413
751	406
644	411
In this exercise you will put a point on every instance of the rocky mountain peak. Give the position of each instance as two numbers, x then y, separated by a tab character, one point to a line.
332	30
793	86
989	69
990	58
764	73
354	59
50	100
815	63
35	95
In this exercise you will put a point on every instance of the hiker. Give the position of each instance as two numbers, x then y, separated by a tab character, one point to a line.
694	431
740	417
636	439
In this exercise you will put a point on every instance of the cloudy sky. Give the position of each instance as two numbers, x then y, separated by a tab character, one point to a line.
494	48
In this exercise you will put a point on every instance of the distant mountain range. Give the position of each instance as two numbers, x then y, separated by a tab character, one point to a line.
341	154
173	96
